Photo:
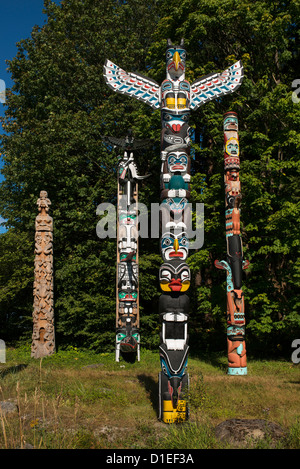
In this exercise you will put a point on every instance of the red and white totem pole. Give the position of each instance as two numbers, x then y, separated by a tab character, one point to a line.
234	264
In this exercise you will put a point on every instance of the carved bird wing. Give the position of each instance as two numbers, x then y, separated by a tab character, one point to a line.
215	85
132	84
123	143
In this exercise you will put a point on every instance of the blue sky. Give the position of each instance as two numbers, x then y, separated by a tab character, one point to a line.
18	17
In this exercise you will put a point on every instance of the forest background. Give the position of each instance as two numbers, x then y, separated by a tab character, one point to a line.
57	112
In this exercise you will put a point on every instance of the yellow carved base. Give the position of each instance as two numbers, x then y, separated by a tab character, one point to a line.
171	415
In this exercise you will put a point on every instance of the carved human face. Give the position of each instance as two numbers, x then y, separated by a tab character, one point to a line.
177	161
174	276
232	147
232	175
230	123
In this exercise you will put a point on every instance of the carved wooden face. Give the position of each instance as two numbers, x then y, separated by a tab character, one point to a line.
127	217
128	342
127	296
230	122
174	276
175	207
174	122
175	61
174	246
232	147
127	239
177	161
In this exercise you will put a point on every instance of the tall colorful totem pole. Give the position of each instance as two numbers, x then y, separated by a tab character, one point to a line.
43	336
127	276
234	264
176	97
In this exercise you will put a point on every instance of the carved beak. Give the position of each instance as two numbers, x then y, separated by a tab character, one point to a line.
175	253
177	60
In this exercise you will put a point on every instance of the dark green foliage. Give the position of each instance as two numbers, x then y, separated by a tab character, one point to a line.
60	107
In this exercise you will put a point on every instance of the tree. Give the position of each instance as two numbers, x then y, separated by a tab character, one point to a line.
265	35
57	112
58	109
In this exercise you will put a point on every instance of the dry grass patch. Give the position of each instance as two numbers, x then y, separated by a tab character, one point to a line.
74	402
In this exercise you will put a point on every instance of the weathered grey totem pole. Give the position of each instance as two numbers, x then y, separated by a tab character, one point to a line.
176	97
234	264
43	337
127	277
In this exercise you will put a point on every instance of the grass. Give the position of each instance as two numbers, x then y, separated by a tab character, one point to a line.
81	400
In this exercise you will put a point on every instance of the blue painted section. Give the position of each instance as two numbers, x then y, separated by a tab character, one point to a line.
237	371
169	373
227	267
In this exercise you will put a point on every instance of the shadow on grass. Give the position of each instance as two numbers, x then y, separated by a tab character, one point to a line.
129	357
215	359
295	382
12	370
218	362
151	386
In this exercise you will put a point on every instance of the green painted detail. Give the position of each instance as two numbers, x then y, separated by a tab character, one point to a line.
123	256
120	337
124	295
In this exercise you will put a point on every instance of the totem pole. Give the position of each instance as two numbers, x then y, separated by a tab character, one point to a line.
234	264
127	277
43	337
176	97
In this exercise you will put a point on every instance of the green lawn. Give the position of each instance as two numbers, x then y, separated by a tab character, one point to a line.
78	399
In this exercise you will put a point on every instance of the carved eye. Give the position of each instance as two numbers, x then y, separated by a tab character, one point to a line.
169	54
183	160
164	369
166	242
166	117
185	275
183	242
165	275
